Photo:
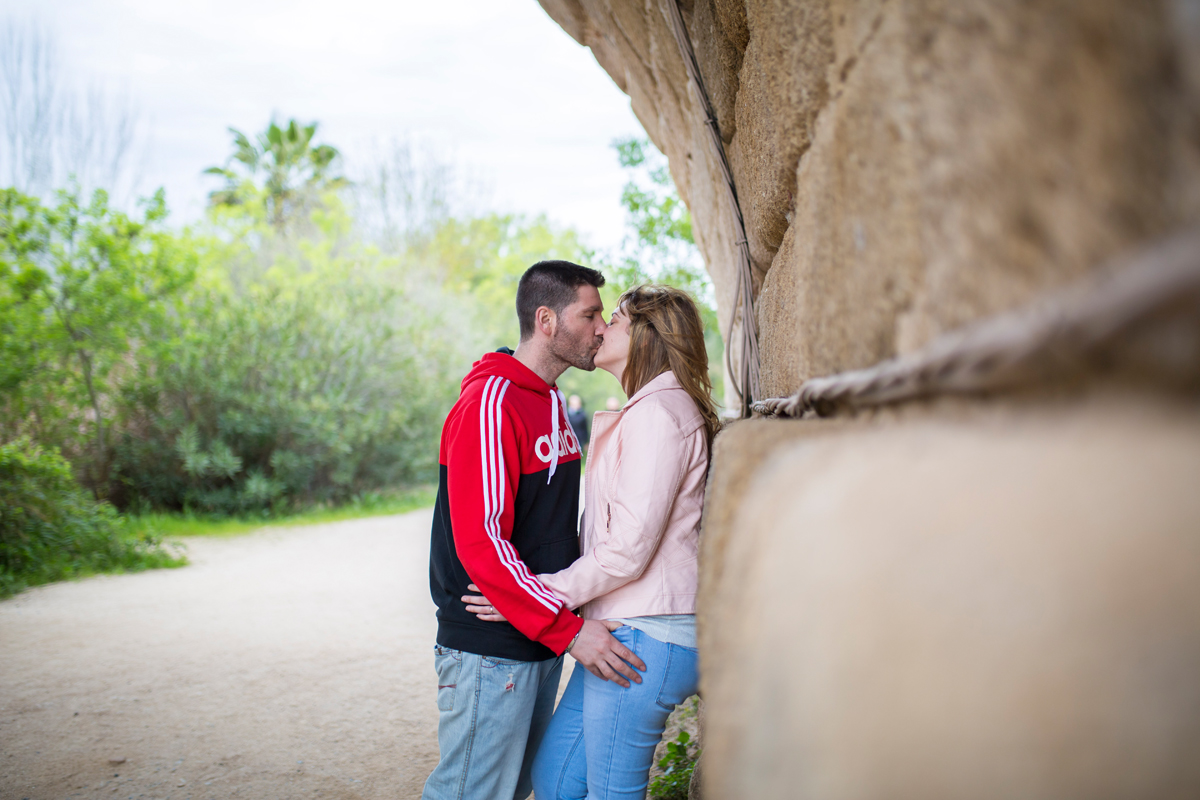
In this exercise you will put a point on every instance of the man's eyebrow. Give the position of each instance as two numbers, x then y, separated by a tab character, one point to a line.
592	309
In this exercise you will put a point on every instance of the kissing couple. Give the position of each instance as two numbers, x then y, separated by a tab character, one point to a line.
517	585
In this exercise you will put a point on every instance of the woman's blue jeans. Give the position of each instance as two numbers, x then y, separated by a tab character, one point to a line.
601	740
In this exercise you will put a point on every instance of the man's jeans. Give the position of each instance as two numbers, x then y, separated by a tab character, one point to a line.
493	713
601	741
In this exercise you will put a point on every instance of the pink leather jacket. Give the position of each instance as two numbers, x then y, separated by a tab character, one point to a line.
643	494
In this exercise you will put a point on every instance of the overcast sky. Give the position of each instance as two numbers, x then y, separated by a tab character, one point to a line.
495	85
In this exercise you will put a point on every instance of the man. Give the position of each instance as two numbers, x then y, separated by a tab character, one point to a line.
579	422
507	510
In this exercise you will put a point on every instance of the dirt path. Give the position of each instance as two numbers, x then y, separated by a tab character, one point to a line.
290	663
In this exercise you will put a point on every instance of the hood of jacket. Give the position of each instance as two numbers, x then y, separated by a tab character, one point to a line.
503	364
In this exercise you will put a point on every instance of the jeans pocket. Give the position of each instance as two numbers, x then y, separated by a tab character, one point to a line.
448	664
488	662
624	634
679	677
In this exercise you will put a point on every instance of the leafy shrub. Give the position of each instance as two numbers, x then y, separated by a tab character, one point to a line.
51	529
306	384
677	766
229	373
259	363
82	285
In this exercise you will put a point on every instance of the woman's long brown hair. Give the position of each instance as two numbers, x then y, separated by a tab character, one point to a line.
666	333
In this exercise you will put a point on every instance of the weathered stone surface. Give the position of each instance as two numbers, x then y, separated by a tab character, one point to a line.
853	258
738	453
782	90
910	166
926	608
964	599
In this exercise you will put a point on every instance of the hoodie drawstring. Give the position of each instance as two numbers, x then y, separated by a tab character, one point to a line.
555	397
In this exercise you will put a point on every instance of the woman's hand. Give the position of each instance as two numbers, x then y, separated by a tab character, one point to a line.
478	605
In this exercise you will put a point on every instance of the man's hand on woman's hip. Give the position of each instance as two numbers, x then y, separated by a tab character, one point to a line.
594	646
603	656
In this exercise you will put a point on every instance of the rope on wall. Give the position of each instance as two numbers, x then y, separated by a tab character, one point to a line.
1144	316
747	382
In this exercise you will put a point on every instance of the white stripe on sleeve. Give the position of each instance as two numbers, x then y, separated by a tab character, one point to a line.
492	457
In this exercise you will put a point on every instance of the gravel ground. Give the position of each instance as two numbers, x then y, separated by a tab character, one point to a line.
288	663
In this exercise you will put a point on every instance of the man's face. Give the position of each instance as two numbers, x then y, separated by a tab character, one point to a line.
579	330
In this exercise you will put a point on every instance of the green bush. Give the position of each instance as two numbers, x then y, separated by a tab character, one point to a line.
677	766
233	371
299	388
82	286
273	358
50	529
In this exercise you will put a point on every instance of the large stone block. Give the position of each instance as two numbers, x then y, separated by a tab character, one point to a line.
783	89
908	167
972	156
997	603
852	258
738	452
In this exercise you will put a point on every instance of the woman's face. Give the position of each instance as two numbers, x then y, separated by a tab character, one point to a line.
614	352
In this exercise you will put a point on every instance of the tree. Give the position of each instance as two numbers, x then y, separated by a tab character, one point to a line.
318	378
54	132
479	260
659	247
404	191
655	213
280	174
80	287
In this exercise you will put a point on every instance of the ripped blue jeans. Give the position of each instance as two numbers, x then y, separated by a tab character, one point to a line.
492	714
601	741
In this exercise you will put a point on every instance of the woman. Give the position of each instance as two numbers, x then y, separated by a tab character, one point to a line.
644	491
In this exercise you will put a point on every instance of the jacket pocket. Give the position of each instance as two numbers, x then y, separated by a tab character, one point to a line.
553	556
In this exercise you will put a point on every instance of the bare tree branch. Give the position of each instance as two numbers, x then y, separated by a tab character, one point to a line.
56	132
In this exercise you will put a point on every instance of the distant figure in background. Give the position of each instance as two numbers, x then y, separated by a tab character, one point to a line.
612	404
579	421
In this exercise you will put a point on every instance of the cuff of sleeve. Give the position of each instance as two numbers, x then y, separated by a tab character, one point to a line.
562	631
551	581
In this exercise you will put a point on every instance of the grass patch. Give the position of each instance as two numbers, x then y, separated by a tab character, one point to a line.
128	546
374	504
677	753
51	529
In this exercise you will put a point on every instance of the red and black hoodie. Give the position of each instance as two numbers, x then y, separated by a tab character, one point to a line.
507	510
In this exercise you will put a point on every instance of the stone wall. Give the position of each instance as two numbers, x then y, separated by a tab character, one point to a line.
907	167
984	597
956	602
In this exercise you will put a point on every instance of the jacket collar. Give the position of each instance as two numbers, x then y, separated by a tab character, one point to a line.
659	383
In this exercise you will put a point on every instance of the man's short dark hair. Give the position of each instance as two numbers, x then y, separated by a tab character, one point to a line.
553	284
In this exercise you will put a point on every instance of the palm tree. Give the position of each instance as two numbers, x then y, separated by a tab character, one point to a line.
282	170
